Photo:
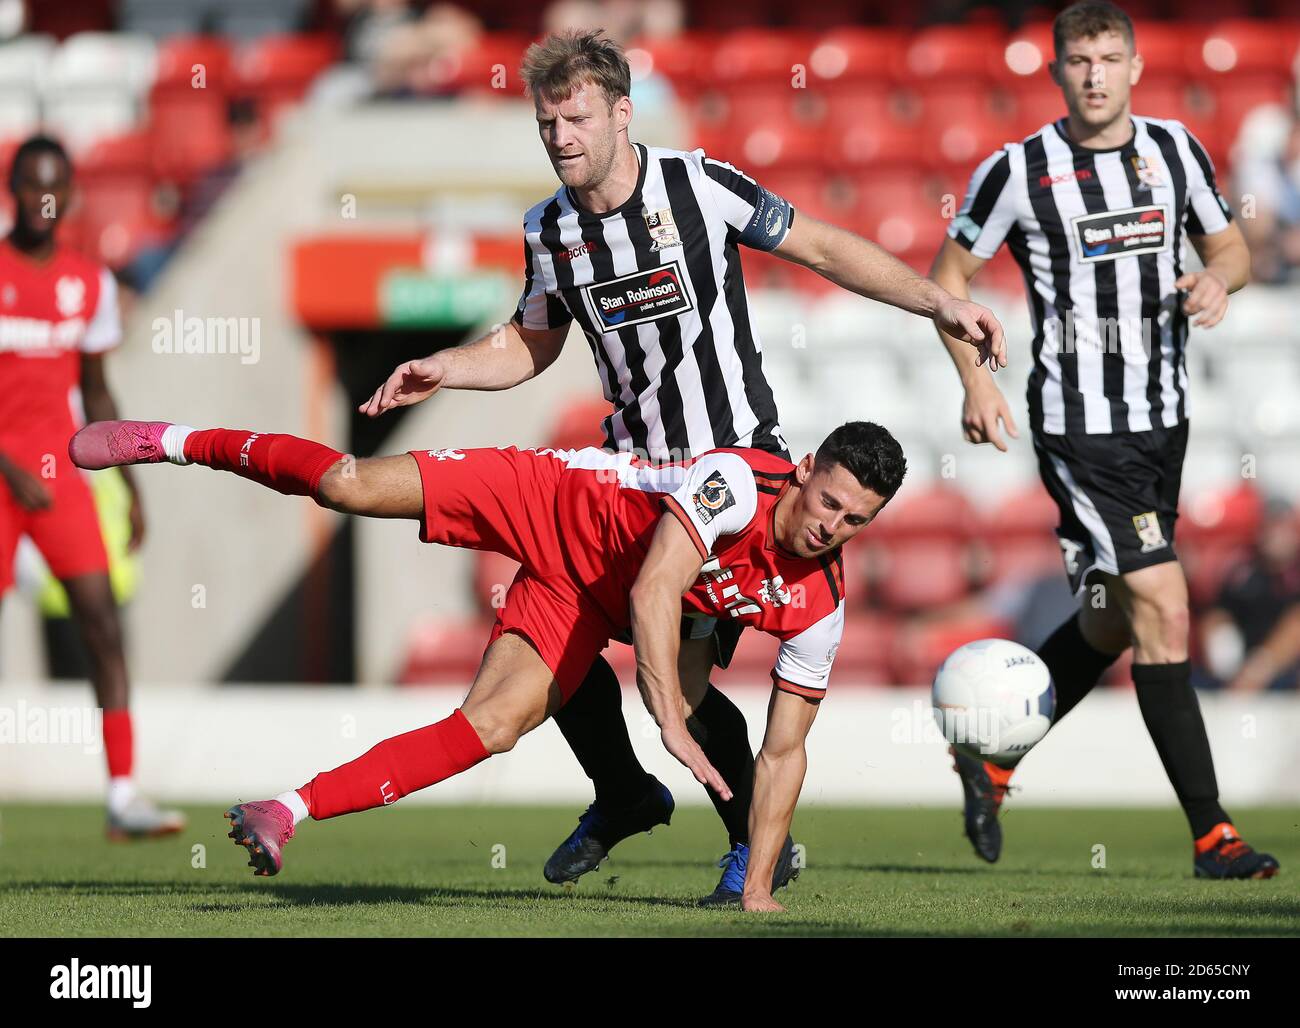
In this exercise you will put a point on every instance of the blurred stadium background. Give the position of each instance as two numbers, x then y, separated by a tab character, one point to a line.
350	175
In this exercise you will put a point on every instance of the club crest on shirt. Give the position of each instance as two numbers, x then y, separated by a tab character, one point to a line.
1148	172
773	591
446	454
712	498
1149	532
662	228
69	295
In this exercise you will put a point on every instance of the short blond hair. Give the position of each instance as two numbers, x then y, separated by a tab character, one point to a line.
556	68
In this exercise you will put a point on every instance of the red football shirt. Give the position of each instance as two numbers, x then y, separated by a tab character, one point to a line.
50	314
726	499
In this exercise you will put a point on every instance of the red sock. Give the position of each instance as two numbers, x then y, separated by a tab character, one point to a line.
286	463
118	748
395	767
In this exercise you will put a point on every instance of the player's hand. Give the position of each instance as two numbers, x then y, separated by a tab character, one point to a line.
26	488
136	515
976	325
1207	295
412	382
677	741
981	411
760	903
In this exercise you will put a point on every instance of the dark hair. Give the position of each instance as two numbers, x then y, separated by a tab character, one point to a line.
557	66
36	145
869	453
1089	19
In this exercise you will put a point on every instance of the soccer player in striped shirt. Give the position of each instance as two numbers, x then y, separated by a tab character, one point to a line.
1097	208
640	246
607	543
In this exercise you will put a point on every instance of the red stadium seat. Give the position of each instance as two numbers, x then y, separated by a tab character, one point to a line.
760	55
441	650
117	213
490	67
275	71
1166	49
189	131
849	57
1243	47
949	53
579	424
683	60
182	58
919	649
913	575
1223	517
934	511
1025	55
778	144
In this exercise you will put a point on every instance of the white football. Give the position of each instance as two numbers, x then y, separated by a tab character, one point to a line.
994	699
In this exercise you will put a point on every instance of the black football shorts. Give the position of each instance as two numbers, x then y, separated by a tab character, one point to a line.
1118	497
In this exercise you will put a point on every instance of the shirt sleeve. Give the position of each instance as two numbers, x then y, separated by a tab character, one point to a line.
105	329
803	663
762	218
989	210
1207	210
538	308
718	497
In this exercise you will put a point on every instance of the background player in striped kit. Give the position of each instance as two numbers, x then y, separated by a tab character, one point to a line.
640	245
1097	209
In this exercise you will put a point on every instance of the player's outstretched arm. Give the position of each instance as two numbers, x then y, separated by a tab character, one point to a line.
778	776
499	359
1227	268
984	406
862	267
671	565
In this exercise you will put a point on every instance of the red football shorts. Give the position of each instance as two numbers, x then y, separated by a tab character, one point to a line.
505	500
67	532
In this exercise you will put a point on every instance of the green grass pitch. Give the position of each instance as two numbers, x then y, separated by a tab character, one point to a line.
421	871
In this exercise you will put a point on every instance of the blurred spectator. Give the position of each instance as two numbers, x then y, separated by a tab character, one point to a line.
1267	159
1251	638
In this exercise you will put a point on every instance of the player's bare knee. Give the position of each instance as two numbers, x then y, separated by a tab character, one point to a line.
342	488
497	734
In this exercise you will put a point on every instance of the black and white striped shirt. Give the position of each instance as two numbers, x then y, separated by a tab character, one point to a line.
1100	236
656	287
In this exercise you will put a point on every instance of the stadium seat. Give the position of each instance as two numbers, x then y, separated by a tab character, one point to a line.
949	54
777	144
760	55
492	60
683	59
112	60
439	649
1243	47
180	59
1229	517
919	648
189	126
1025	55
1166	49
20	112
912	575
275	71
26	62
850	57
865	649
117	208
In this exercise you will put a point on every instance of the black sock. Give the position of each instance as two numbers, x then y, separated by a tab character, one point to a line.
1074	665
593	726
719	728
1173	717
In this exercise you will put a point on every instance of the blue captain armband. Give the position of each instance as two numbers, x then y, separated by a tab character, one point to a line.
772	219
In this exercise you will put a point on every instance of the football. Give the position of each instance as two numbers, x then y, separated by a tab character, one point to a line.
994	699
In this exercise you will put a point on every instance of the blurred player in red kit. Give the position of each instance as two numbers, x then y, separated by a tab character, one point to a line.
58	319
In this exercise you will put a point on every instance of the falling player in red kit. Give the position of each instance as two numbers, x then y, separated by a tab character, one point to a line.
608	543
58	318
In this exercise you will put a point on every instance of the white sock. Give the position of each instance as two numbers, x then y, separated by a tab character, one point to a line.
121	791
173	443
296	806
